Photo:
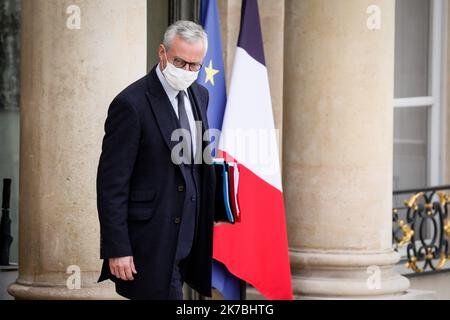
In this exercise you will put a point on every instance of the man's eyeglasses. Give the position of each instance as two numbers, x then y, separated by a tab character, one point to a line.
180	63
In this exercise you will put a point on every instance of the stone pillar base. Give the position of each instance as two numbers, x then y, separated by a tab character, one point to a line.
101	291
408	295
347	275
252	294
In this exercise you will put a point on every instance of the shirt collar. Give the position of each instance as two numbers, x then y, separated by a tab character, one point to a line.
171	92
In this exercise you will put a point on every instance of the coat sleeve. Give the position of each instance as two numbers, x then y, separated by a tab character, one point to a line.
119	151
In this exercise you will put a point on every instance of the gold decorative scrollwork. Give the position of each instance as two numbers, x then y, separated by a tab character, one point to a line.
412	202
407	233
447	228
443	198
412	264
428	250
442	260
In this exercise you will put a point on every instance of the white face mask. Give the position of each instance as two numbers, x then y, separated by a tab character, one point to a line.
179	79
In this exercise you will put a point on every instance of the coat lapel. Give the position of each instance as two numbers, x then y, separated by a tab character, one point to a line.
193	91
162	109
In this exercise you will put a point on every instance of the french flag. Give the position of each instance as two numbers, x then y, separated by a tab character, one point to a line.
255	249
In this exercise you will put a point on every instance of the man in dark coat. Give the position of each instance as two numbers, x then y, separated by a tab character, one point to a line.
155	211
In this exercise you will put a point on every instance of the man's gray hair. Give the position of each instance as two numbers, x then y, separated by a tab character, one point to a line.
186	30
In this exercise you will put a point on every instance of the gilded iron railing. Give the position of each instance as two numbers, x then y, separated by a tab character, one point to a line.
422	225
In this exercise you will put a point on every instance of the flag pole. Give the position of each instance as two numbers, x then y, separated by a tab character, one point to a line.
243	288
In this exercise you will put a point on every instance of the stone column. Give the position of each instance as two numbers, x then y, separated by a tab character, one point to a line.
71	70
447	103
338	149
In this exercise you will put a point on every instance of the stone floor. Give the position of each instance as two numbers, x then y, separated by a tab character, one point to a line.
7	276
439	283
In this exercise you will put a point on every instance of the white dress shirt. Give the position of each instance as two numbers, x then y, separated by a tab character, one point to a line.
172	95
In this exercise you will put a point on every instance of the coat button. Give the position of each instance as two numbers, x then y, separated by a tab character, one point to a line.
193	198
180	188
177	220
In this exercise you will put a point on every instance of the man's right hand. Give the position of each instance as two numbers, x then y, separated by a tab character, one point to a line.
123	268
